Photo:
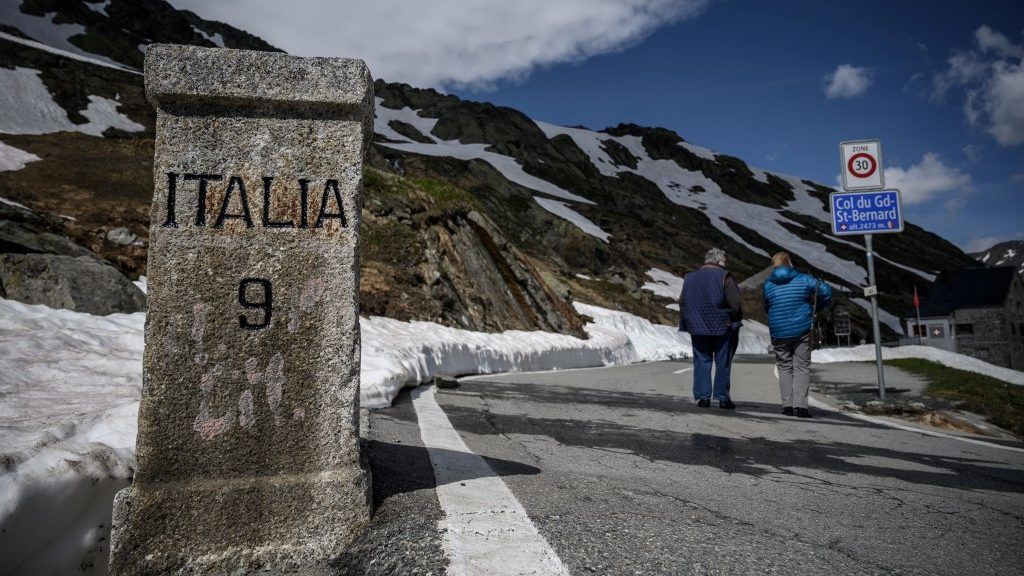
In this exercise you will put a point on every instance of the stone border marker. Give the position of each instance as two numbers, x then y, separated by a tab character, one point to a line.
248	446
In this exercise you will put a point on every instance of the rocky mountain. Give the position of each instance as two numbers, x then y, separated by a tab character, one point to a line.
1003	254
475	215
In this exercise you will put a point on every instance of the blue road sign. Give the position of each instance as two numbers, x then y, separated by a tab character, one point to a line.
876	212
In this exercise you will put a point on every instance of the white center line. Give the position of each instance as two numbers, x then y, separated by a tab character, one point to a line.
488	531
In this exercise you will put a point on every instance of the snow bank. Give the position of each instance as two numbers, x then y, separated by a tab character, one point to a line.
946	358
70	384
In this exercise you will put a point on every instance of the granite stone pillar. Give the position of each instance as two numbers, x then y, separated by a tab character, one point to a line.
248	445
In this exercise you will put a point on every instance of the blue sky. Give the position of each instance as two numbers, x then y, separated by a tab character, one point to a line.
748	78
940	83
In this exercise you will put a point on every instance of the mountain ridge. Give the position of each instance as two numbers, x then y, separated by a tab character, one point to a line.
595	213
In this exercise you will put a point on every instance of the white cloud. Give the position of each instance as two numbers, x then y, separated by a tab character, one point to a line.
992	77
1003	98
991	41
848	81
927	179
451	43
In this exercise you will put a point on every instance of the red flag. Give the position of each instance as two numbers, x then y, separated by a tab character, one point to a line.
917	301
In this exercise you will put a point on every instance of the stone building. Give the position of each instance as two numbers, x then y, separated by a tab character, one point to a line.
978	312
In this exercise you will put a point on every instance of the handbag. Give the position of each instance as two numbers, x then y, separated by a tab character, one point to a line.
816	337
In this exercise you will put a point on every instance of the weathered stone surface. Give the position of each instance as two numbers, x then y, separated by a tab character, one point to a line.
248	453
82	284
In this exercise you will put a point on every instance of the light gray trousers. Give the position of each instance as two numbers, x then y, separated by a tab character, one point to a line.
793	357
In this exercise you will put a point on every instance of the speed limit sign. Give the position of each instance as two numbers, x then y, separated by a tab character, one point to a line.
862	165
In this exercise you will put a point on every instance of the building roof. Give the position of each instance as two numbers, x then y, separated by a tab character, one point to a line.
969	288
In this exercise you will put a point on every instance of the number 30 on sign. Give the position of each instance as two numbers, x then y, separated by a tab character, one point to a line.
861	165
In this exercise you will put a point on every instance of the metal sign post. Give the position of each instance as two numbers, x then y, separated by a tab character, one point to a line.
874	317
869	213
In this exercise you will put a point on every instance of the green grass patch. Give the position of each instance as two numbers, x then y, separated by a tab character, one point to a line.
1001	402
446	195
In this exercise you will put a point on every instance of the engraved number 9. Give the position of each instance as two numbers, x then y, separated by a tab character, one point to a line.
265	303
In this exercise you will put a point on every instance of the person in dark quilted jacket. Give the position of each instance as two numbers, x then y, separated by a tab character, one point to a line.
709	309
788	297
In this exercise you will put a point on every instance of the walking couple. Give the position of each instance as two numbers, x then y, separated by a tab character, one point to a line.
711	311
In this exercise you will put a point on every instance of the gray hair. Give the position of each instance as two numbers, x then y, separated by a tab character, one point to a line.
714	256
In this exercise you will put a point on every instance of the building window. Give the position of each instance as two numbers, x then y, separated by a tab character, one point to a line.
920	330
965	329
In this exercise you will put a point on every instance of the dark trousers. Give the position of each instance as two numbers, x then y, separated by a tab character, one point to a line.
717	350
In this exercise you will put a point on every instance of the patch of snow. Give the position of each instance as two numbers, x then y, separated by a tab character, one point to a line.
699	151
986	257
866	353
217	39
102	114
860	246
142	47
12	158
26	107
884	317
101	7
759	174
584	277
589	141
13	203
48	36
506	165
562	210
142	284
672	307
665	284
70	392
803	202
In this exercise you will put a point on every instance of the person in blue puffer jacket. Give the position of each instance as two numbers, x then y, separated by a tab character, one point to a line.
788	296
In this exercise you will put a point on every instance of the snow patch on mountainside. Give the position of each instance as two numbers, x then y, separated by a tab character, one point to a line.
26	107
46	32
884	317
664	284
216	38
562	210
506	165
12	158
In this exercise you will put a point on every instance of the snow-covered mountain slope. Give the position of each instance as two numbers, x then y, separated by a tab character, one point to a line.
592	210
1003	254
601	183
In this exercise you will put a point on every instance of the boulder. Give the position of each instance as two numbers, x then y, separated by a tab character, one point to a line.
82	284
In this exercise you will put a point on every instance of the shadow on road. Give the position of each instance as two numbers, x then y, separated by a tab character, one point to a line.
753	456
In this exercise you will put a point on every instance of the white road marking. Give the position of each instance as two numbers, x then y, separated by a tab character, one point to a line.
488	531
683	370
822	406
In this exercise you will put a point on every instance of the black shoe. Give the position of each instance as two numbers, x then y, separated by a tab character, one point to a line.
787	411
803	413
726	404
703	403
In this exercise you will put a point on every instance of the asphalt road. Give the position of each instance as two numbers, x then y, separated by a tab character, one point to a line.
621	473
